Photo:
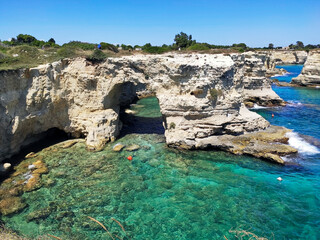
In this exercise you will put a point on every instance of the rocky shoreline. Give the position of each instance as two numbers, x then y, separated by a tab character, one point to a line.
201	98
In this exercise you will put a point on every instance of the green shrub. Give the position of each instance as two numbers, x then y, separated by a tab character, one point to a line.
66	52
81	45
156	50
214	94
97	56
109	46
172	125
198	47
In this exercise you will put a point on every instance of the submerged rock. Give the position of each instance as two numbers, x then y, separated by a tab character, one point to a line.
118	147
33	183
132	147
11	205
31	155
70	143
39	214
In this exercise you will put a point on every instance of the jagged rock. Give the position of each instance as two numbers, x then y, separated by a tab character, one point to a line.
269	144
310	75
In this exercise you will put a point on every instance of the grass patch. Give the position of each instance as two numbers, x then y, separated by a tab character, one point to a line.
198	47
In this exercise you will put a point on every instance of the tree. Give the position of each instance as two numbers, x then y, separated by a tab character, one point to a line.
300	44
271	46
183	40
240	45
51	41
25	38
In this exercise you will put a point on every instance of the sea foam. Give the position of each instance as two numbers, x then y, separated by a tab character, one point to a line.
303	146
256	106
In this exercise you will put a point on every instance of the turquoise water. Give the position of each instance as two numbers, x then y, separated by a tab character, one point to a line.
168	194
293	71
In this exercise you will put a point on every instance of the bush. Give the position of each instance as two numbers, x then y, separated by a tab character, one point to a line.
214	94
198	47
81	45
109	46
172	125
66	52
97	56
156	50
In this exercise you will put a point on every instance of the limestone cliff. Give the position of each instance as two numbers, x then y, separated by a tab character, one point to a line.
200	96
310	75
281	57
257	86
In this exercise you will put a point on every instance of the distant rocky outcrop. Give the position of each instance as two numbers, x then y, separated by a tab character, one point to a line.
287	57
310	75
201	98
282	57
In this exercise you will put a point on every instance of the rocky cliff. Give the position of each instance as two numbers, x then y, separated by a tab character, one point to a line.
200	97
256	85
287	57
310	75
281	57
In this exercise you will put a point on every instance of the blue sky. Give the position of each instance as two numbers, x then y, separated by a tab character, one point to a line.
257	23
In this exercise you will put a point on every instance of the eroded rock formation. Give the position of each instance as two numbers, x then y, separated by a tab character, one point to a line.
200	96
310	75
287	57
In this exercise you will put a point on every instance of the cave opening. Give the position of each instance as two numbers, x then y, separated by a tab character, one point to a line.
142	116
36	143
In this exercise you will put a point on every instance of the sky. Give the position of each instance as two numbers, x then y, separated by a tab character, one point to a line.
136	22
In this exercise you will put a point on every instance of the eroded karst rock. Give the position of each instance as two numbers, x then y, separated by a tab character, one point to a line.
200	96
310	75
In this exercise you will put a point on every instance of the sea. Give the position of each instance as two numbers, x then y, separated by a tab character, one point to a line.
164	193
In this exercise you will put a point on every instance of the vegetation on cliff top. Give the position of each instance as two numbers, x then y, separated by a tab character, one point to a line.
25	51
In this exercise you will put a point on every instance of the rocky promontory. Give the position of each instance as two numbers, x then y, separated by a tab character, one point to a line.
201	98
310	75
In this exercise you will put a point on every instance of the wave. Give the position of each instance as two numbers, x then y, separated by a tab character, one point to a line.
303	146
295	103
256	106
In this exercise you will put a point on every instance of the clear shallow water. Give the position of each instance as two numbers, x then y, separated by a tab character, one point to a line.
167	194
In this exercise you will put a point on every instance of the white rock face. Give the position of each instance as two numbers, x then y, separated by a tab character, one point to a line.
257	87
199	95
287	57
310	75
